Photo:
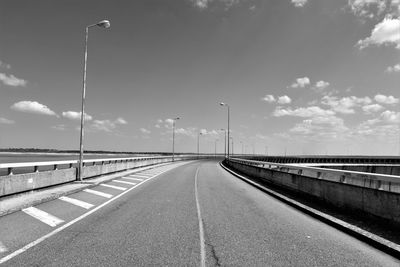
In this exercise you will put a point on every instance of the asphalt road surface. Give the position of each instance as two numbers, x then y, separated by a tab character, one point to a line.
193	214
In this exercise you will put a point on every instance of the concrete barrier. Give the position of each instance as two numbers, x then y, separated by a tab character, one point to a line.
374	194
66	171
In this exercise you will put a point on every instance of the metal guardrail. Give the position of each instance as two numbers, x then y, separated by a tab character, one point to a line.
319	173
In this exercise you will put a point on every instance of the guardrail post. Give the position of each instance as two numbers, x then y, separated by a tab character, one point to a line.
36	169
9	171
55	167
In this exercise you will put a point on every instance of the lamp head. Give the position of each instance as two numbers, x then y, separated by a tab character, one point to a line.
177	118
222	104
104	24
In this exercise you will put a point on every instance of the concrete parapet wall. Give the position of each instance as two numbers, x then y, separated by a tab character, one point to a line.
17	183
358	197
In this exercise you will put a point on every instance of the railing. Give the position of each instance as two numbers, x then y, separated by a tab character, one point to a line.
21	177
371	180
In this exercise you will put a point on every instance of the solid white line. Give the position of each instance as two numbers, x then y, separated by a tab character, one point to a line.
134	179
115	187
76	202
43	216
201	229
59	229
123	182
3	248
98	193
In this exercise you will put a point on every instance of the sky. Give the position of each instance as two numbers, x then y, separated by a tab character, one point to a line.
301	77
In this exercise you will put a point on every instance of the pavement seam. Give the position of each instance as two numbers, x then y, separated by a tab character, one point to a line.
201	226
376	241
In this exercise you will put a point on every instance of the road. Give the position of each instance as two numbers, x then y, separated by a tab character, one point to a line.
193	214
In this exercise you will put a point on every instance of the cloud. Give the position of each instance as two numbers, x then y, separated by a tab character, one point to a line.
5	65
299	3
107	125
269	98
11	80
321	85
329	126
59	127
387	32
373	8
203	4
284	100
73	115
6	121
390	117
120	120
372	108
33	107
345	105
312	111
145	131
395	68
301	82
389	100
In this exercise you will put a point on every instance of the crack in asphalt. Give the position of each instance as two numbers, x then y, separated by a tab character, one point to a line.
214	254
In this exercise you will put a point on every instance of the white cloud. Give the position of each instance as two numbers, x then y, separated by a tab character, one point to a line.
6	121
372	108
269	98
299	3
59	127
321	85
203	4
5	65
389	100
159	121
169	121
284	100
390	116
395	68
320	126
301	82
367	8
145	131
33	107
387	32
312	111
121	121
107	125
73	115
11	80
345	105
157	126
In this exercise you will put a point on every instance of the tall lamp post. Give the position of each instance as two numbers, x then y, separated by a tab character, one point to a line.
215	148
198	145
226	105
224	141
103	24
173	137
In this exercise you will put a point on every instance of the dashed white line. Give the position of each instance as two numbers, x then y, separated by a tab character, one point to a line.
133	179
114	187
98	193
77	202
43	216
3	248
123	182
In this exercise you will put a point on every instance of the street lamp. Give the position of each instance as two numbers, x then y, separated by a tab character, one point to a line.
198	144
103	24
173	137
224	141
226	105
215	148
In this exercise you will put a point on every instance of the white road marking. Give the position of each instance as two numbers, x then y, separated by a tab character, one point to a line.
134	179
43	216
123	182
77	202
115	187
139	176
62	227
3	248
98	193
201	229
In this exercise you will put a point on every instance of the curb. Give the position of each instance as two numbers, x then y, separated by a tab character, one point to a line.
376	241
85	185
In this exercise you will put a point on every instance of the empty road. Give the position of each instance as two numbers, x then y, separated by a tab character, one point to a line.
193	214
